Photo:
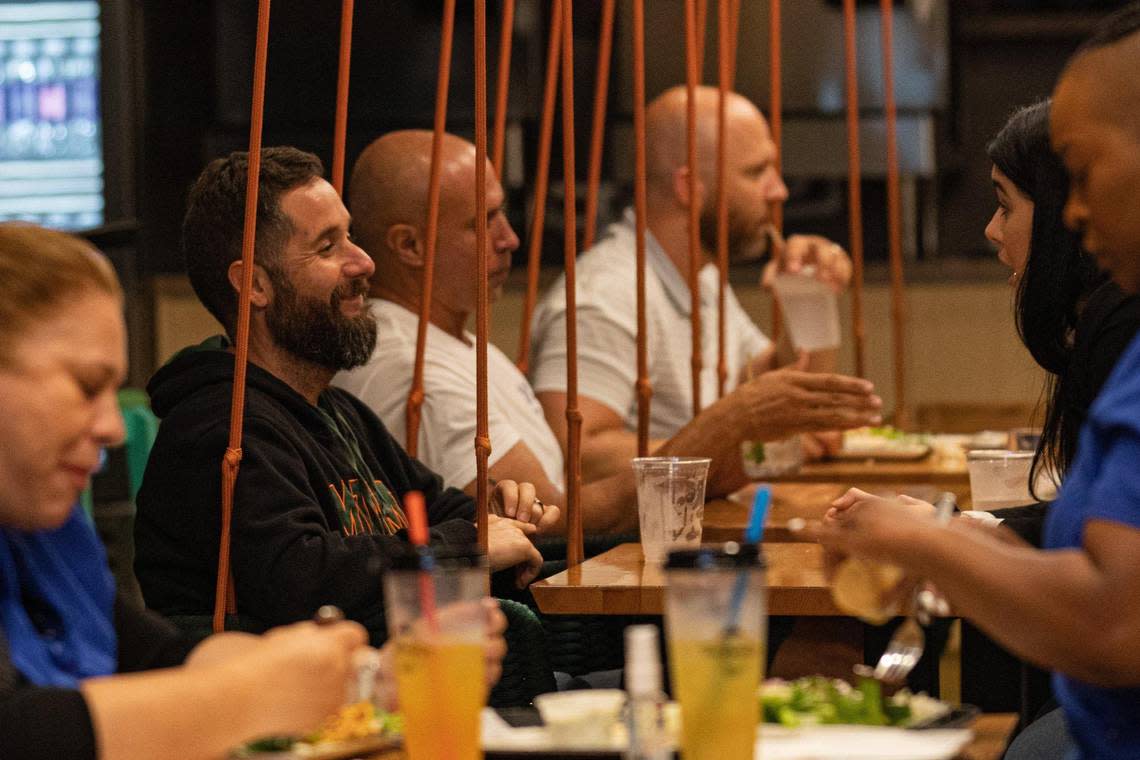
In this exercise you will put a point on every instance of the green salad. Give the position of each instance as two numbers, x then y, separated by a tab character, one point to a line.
358	721
817	700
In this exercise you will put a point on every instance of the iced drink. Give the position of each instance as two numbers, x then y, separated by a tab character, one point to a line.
441	689
715	682
716	624
436	621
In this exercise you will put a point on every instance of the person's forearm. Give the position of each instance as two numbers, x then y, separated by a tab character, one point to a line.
606	453
171	713
610	504
221	646
714	434
1037	604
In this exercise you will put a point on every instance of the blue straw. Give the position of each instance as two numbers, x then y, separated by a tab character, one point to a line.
759	513
752	535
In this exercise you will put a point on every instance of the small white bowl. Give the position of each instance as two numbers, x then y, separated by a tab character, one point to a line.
581	718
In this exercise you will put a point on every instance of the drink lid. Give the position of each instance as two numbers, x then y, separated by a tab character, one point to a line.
727	556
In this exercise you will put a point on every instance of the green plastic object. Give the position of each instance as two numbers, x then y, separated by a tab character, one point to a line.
142	428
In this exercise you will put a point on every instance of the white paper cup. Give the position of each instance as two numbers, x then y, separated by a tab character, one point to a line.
810	310
999	478
583	718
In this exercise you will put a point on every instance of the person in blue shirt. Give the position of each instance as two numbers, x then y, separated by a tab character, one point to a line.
1073	607
84	673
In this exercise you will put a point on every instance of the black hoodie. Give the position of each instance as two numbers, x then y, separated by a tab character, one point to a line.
307	529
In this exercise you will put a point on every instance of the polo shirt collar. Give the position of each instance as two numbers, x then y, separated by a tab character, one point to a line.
676	286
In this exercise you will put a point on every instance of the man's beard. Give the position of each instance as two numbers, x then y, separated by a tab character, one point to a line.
743	244
318	332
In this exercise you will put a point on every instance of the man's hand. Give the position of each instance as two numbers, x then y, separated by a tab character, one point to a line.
831	262
819	446
508	545
788	401
518	501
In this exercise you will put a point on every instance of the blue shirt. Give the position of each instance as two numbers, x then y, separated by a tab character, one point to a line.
1103	484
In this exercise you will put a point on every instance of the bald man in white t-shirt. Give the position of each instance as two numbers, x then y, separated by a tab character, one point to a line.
387	198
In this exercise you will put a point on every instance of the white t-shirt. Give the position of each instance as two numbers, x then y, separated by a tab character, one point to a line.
447	427
607	332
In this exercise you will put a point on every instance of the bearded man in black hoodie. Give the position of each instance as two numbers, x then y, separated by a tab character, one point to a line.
318	495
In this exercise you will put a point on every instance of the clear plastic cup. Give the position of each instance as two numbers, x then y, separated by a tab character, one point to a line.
810	310
433	603
999	478
762	460
670	502
716	626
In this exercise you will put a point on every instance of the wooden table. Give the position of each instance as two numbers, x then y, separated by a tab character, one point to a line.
725	518
619	582
949	475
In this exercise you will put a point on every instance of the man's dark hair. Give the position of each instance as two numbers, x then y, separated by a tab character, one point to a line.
213	227
1120	24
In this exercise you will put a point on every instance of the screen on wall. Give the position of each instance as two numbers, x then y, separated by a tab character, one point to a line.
51	155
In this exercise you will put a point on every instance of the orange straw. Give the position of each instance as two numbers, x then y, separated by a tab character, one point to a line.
418	534
694	202
224	598
482	434
597	137
416	394
541	180
644	387
854	191
341	127
574	547
506	36
898	313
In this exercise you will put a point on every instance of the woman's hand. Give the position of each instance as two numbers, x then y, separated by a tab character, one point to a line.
864	525
301	672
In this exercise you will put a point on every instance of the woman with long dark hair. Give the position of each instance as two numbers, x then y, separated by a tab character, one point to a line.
1071	317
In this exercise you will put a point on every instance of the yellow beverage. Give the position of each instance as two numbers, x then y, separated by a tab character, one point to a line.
715	682
441	693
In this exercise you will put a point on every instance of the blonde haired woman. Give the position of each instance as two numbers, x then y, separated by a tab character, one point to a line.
68	646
